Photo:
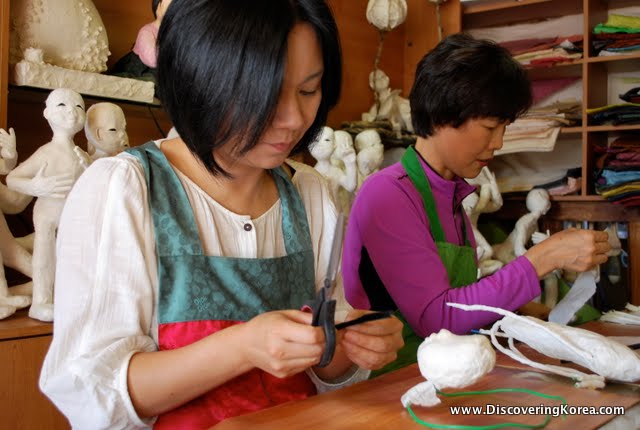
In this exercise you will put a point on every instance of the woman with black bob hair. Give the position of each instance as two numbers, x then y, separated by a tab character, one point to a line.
464	78
409	245
207	83
183	264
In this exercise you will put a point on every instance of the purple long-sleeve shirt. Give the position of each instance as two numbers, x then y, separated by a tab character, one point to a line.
390	258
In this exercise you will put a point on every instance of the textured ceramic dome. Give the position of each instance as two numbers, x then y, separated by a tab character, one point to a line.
69	32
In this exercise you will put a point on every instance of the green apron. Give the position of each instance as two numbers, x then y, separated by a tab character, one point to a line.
200	294
459	261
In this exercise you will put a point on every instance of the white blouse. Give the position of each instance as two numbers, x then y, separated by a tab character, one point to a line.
106	281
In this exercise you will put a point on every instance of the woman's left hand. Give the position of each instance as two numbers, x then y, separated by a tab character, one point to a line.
373	344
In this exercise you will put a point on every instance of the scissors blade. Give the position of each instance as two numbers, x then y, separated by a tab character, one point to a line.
334	256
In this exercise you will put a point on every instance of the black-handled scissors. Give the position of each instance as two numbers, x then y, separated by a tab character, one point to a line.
323	306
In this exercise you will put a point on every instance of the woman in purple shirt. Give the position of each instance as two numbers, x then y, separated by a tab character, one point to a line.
409	245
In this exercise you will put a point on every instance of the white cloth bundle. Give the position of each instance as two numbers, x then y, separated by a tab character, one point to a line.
447	360
607	358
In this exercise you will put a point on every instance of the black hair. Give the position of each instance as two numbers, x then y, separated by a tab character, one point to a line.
465	78
221	65
154	7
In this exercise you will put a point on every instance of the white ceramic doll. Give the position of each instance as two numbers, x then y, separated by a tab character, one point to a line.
487	200
106	130
336	161
11	253
538	203
369	154
49	175
346	176
390	105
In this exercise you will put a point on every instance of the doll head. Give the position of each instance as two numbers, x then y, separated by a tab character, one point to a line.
367	138
105	129
64	111
538	201
323	146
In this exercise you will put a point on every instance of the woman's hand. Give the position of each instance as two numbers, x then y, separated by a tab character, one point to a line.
373	344
571	249
283	343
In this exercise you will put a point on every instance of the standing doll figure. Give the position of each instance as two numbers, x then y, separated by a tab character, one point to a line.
106	130
48	175
487	200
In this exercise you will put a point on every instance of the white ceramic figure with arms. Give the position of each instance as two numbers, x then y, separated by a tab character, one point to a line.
12	254
48	175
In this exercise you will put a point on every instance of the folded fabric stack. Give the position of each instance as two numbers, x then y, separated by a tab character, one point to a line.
620	35
618	163
570	184
615	114
538	129
545	52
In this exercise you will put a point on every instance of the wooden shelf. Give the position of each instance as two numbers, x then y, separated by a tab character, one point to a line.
571	208
472	7
569	198
19	325
571	130
613	58
578	198
607	128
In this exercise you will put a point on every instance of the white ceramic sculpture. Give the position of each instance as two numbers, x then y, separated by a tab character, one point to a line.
538	203
49	175
106	130
603	356
69	32
447	360
390	105
11	253
346	177
336	161
487	200
34	72
386	15
369	154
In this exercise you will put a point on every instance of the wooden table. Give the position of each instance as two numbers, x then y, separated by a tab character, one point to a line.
375	404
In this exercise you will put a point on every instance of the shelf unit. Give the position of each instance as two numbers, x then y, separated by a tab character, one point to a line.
456	16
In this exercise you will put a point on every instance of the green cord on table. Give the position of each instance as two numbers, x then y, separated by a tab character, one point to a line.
492	426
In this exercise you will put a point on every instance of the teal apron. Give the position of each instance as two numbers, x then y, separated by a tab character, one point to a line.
459	261
199	295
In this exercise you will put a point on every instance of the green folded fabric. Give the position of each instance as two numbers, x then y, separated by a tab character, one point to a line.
603	28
